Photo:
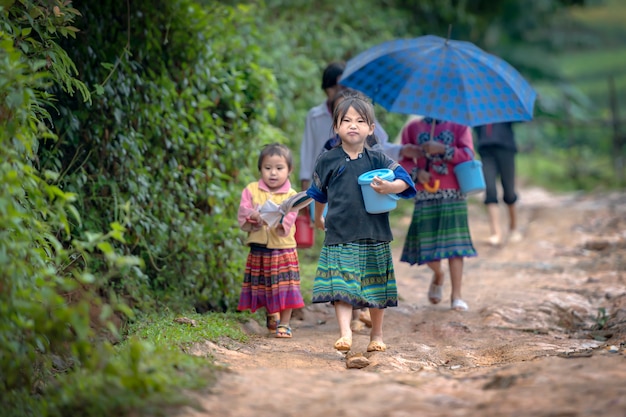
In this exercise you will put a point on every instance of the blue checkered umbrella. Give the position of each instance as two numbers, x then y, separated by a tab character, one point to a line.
444	79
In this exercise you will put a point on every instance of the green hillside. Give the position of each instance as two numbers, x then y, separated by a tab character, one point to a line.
604	56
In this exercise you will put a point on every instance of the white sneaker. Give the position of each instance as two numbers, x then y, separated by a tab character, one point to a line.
494	240
515	236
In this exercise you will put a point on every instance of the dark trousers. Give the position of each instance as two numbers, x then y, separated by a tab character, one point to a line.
498	161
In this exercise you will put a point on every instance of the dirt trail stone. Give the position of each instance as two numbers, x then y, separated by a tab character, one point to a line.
545	334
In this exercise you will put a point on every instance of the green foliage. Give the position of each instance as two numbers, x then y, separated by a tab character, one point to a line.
148	372
150	369
559	170
168	142
140	377
48	307
302	37
36	27
35	320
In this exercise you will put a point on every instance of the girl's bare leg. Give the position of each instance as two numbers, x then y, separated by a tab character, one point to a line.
456	277
343	311
494	224
435	290
514	234
377	315
435	266
285	316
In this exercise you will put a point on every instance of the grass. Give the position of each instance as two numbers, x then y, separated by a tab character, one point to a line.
559	171
161	330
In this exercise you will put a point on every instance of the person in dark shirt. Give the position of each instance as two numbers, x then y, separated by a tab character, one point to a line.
497	149
355	268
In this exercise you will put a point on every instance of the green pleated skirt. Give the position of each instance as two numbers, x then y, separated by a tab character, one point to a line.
439	230
359	273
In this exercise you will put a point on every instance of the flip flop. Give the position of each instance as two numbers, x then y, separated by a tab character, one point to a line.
343	344
376	346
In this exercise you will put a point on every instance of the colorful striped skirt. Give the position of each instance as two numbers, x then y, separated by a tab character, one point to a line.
439	230
271	280
358	273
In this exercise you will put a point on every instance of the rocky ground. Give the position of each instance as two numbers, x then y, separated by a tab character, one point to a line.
545	334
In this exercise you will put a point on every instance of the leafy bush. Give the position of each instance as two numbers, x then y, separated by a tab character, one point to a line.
45	327
149	166
166	144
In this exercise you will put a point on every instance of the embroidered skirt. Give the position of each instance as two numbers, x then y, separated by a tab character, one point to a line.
439	230
271	280
358	273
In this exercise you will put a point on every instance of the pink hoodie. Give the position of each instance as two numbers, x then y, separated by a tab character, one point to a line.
461	137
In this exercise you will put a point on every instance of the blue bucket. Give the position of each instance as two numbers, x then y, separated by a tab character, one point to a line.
376	203
470	177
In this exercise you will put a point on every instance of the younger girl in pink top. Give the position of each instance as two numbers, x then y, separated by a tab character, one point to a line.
272	276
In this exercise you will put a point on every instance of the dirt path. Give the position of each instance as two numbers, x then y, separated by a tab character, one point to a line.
534	343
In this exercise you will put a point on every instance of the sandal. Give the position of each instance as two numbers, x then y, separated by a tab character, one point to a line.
343	344
283	331
435	292
272	321
376	346
459	305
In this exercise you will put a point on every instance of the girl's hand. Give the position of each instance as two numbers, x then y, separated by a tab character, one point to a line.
433	148
255	217
423	177
380	185
388	187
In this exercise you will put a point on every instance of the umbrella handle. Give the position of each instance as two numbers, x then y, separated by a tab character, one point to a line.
432	130
432	188
432	139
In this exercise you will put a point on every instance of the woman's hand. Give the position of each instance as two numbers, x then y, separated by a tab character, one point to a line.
411	151
433	148
423	177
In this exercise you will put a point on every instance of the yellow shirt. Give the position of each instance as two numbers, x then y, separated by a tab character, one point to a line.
254	196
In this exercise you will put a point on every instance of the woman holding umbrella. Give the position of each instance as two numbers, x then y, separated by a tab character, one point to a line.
439	228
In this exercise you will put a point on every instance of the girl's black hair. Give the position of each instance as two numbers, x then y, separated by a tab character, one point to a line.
276	149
